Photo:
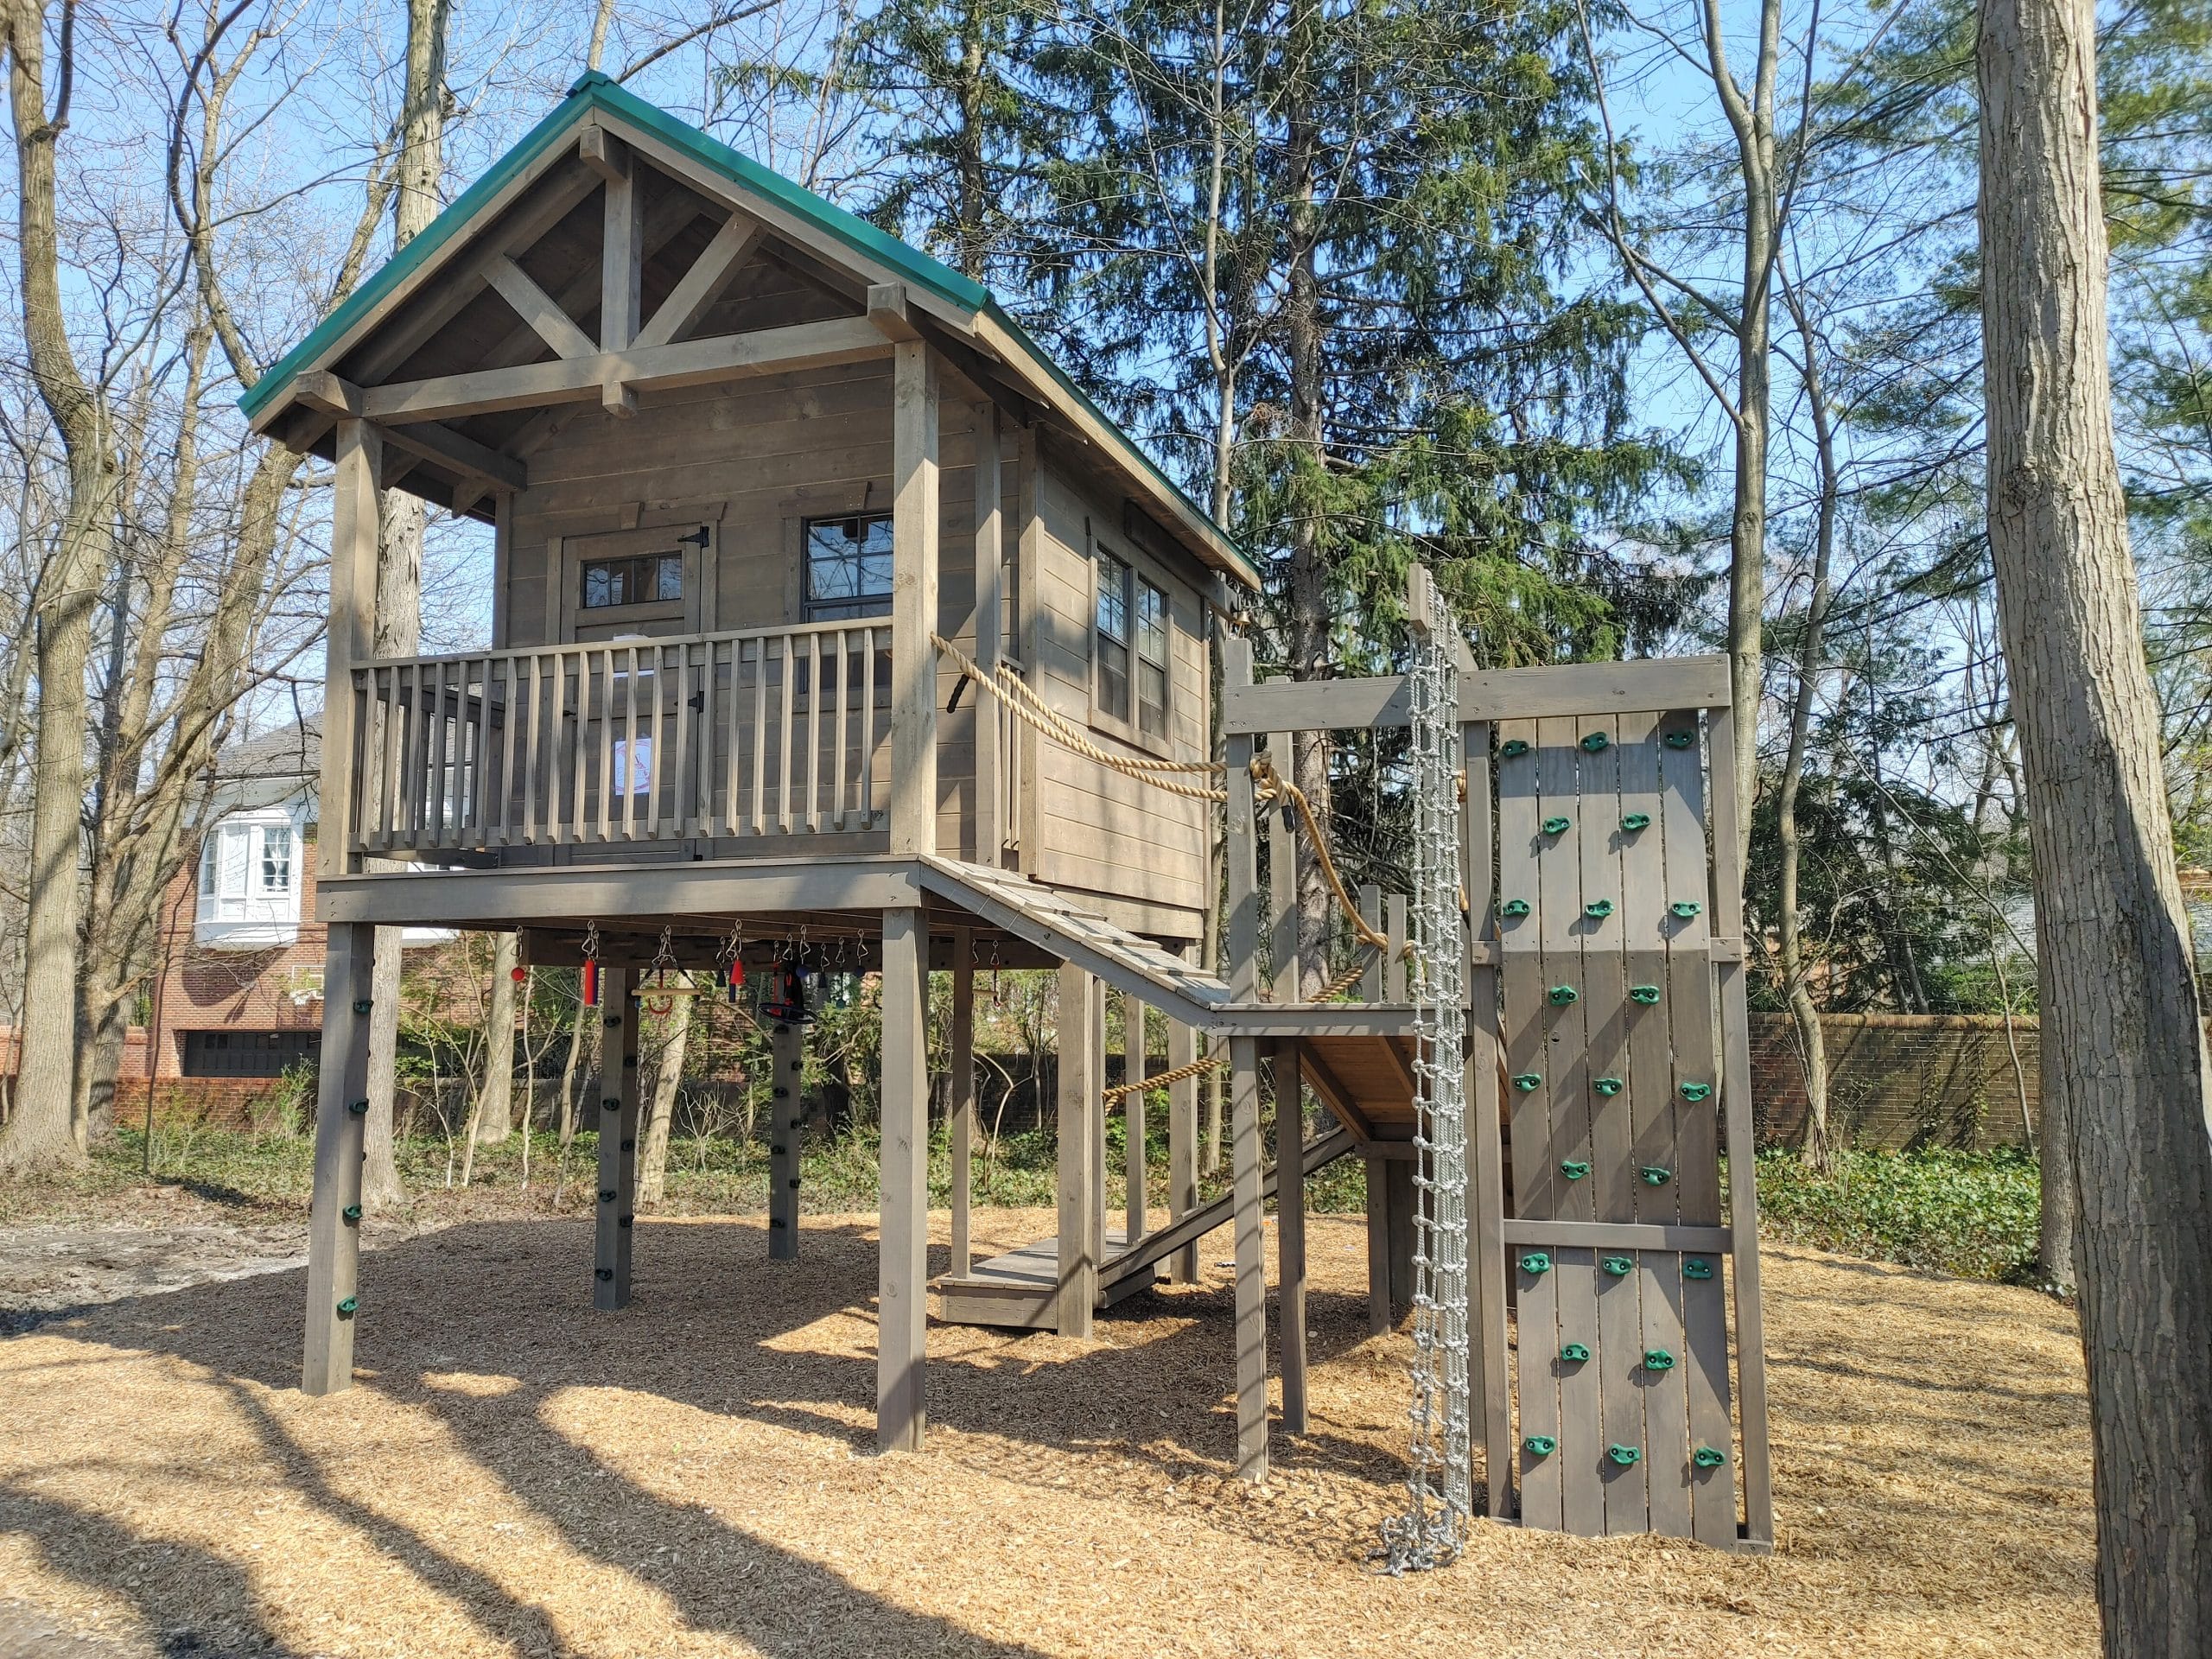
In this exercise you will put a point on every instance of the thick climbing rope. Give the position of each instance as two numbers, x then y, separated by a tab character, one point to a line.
1160	1079
1431	1531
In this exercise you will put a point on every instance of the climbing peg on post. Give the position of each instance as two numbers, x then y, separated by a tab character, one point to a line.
1697	1266
1595	743
1536	1261
1513	748
351	1213
348	1307
1598	909
1574	1353
1686	908
1539	1445
1515	908
1655	1176
1696	1091
1658	1359
1561	996
1633	821
1627	1456
1680	739
1618	1266
1705	1458
1526	1082
1606	1086
1646	995
358	1108
362	1006
1557	826
1574	1168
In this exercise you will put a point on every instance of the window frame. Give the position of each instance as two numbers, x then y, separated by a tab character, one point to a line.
841	610
659	563
1138	576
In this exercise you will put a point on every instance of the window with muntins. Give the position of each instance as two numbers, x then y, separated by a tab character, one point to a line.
1113	642
635	579
848	567
1152	660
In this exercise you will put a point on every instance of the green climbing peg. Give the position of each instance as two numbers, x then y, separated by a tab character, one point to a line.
1658	1359
1696	1091
1680	739
1618	1266
1514	908
1705	1458
1596	743
1627	1456
1558	826
1574	1353
1536	1261
1561	996
348	1307
1633	821
358	1108
362	1006
1574	1168
1686	908
1598	908
1655	1176
351	1212
1513	748
1697	1266
1647	994
1540	1445
1607	1086
1526	1081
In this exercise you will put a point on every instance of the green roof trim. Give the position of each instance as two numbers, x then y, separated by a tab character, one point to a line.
598	91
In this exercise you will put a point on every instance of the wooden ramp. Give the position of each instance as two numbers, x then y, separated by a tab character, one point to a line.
1020	1289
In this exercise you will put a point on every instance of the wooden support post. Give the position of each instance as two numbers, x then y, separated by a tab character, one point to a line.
1240	845
356	508
913	598
1398	1177
1251	1259
1371	912
1290	1232
1132	1114
1394	954
992	831
334	1221
617	1122
1079	1266
622	278
902	1320
1488	1364
786	1127
962	1103
1378	1247
1182	1146
1282	879
1095	1103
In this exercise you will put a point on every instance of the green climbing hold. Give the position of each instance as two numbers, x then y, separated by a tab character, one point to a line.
1536	1261
1561	996
1526	1081
1558	826
1574	1353
1635	821
358	1108
1655	1176
362	1006
1596	743
1647	994
1627	1456
1540	1445
1697	1266
1680	739
1514	908
348	1307
1574	1168
1607	1086
351	1212
1705	1458
1599	908
1658	1359
1686	908
1619	1266
1696	1091
1513	748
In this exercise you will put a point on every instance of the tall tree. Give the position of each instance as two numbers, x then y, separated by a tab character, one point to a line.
2124	1048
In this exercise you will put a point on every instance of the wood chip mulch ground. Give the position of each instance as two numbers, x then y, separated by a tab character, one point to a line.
515	1475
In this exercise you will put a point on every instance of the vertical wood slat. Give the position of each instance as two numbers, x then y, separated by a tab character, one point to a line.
1485	1159
756	815
787	720
844	661
1133	1116
579	726
813	733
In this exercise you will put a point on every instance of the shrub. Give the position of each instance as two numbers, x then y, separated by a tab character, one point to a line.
1970	1213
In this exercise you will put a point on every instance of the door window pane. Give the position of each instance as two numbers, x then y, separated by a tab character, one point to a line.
848	567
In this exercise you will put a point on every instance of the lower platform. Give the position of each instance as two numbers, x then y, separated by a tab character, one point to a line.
1019	1291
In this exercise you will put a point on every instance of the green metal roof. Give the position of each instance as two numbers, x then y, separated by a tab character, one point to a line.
596	91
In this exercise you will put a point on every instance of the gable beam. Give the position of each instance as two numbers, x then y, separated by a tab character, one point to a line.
692	297
318	388
692	363
536	308
621	272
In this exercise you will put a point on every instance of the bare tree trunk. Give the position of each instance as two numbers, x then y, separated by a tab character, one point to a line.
2124	1079
583	1019
668	1076
495	1113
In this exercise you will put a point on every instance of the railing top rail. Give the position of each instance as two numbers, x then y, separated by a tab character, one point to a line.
724	636
1654	685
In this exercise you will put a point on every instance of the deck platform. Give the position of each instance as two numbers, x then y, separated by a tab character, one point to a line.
1019	1291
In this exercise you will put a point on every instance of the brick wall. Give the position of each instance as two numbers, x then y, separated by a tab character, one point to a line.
1898	1080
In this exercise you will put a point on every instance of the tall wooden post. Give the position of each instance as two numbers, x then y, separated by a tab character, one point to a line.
961	1104
617	1122
1378	1245
1182	1146
341	1110
1242	882
913	598
1488	1368
786	1127
1095	1105
902	1315
1290	1232
621	270
356	509
1078	1262
991	828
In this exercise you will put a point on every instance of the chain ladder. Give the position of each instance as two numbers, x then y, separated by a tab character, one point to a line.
1431	1531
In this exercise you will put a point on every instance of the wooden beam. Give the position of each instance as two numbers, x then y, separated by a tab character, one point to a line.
1079	1268
1378	1248
913	599
786	1125
1251	1294
1182	1146
992	831
902	1279
887	310
615	1115
607	156
356	508
962	1103
334	1217
1133	1116
1290	1233
1339	1100
536	308
1617	1235
696	291
692	363
621	285
457	453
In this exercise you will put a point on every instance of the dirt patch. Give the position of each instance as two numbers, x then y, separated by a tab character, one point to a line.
515	1475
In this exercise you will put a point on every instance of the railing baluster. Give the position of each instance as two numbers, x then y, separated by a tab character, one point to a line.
759	815
813	733
838	769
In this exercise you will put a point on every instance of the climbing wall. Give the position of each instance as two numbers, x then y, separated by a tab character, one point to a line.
1616	1245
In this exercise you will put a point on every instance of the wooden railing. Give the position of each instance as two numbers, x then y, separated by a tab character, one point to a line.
767	732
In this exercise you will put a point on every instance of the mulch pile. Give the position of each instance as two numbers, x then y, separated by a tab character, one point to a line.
515	1475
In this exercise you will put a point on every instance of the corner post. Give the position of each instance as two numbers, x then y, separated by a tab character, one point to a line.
356	509
1078	1264
335	1221
991	827
962	1103
1182	1146
913	598
1290	1232
902	1281
786	1123
621	272
1251	1258
617	1119
1133	1116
